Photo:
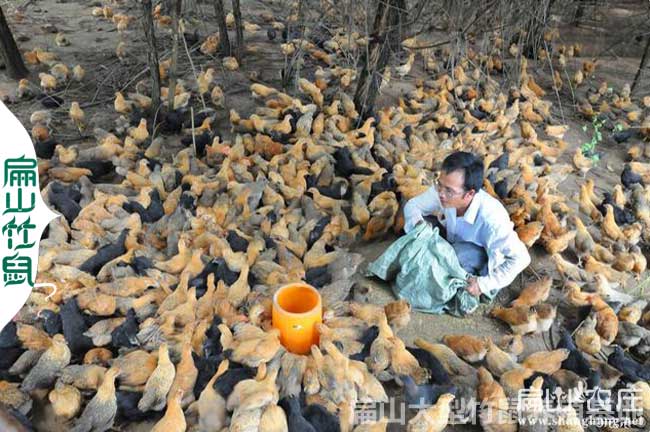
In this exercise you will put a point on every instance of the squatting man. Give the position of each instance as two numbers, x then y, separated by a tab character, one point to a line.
473	222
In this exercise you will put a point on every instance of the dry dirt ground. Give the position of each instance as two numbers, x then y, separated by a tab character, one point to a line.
93	45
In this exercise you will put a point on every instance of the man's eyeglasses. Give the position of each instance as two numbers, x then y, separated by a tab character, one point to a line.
447	192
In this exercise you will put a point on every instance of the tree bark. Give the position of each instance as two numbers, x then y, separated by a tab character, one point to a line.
580	11
176	13
289	70
152	55
644	60
536	26
13	60
223	30
239	29
397	21
384	35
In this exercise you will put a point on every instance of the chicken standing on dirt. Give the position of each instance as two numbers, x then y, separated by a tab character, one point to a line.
99	414
49	365
433	419
159	383
174	419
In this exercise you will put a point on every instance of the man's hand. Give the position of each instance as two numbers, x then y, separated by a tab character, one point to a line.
472	287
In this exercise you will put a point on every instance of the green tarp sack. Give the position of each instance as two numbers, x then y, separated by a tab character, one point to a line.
425	271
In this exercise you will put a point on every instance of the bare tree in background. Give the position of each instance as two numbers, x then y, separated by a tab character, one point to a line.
580	12
534	25
13	60
385	34
223	30
152	54
239	29
176	13
290	69
644	60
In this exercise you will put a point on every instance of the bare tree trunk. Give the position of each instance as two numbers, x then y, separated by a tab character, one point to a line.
644	60
152	54
223	30
396	22
239	29
535	28
289	70
176	12
166	6
13	60
383	36
580	11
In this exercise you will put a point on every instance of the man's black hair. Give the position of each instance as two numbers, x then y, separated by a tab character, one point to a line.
471	165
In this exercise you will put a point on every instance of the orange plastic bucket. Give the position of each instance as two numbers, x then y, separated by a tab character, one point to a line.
297	308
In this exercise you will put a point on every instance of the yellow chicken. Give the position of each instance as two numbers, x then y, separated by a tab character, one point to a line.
204	80
140	133
121	105
230	63
48	82
78	73
77	116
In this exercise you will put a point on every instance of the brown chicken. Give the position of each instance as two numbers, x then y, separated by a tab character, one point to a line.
97	303
186	374
521	319
174	418
98	356
49	365
546	314
512	344
83	377
158	385
100	412
497	360
453	364
398	314
530	233
33	338
586	337
65	400
489	390
135	367
609	228
513	380
534	293
433	419
584	243
253	394
632	312
402	362
494	417
469	348
274	419
211	405
607	321
552	226
582	163
594	266
554	245
252	345
546	362
383	209
377	426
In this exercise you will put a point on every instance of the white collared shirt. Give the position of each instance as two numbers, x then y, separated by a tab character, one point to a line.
485	223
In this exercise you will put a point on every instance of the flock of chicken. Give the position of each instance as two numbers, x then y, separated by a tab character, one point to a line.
165	279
